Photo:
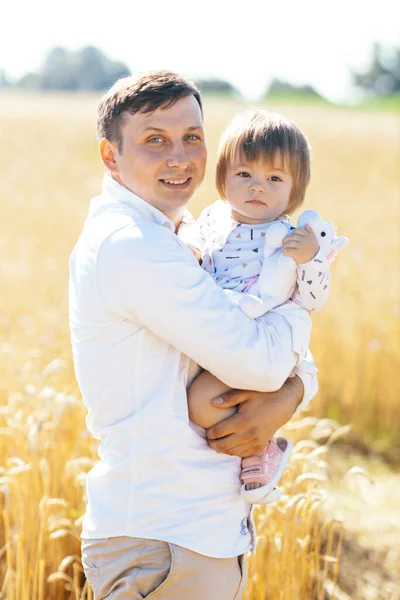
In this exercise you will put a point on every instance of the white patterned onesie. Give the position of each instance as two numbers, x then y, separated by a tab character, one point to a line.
232	255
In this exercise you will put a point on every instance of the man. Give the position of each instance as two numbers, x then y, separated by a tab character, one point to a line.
164	518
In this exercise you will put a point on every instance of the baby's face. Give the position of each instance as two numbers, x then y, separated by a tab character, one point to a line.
257	191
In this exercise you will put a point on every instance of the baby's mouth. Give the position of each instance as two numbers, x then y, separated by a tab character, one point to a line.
255	201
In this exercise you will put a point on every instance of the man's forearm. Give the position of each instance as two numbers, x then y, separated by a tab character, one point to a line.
295	392
286	400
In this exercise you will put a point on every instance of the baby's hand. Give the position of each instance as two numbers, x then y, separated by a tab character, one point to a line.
301	244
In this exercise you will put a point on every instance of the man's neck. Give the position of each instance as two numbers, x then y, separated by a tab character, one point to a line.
175	216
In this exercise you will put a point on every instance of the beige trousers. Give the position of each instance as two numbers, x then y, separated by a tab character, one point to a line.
119	568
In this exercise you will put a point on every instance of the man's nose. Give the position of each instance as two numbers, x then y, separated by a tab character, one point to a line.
177	156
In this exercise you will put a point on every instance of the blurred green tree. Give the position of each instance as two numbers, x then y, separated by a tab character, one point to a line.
4	81
30	81
382	77
87	69
58	72
217	86
96	71
280	88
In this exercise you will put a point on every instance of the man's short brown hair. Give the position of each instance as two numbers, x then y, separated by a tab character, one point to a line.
258	135
143	93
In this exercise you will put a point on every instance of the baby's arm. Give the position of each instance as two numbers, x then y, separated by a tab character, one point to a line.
313	281
206	386
313	277
201	393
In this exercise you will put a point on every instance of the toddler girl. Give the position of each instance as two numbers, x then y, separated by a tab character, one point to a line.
263	169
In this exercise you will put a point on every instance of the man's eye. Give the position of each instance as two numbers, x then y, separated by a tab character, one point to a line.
156	139
192	137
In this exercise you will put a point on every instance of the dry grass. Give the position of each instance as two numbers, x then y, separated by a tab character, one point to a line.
48	171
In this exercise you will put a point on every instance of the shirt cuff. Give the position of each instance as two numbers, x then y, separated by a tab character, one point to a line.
307	371
300	325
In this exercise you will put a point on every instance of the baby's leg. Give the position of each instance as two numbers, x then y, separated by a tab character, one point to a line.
261	472
201	393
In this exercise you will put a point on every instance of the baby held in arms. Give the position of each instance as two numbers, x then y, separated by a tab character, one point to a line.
251	249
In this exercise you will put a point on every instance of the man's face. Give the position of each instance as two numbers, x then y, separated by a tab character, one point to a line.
163	155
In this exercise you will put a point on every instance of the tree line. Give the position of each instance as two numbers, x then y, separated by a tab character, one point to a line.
89	69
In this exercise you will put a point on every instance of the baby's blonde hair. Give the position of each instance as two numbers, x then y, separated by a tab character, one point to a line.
255	135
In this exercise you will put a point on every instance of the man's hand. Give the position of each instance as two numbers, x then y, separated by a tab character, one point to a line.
259	415
301	244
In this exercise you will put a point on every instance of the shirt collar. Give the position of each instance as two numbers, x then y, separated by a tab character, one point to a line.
146	211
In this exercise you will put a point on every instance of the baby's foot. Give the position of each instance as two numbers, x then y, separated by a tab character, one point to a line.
253	486
258	470
260	473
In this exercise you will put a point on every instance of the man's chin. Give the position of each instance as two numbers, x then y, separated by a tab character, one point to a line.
173	205
175	198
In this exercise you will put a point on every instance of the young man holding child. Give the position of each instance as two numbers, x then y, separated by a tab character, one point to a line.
164	516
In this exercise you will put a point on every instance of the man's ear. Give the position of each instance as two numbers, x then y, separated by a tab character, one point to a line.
107	153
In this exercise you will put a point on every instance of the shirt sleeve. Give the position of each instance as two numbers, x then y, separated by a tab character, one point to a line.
147	274
307	371
313	281
300	322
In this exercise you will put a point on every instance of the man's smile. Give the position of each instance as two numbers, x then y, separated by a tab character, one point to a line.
176	184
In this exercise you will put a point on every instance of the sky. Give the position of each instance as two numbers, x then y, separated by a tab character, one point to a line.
248	43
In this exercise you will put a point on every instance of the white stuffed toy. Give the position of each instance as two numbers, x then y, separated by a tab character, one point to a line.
278	276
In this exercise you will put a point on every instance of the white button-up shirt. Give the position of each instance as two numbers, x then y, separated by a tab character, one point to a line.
143	315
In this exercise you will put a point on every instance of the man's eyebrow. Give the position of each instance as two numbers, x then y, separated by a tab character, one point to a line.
151	128
161	130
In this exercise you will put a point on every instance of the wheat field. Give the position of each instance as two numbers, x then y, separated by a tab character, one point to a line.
49	169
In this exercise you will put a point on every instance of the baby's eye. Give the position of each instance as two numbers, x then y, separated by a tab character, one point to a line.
243	174
275	178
